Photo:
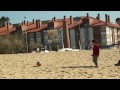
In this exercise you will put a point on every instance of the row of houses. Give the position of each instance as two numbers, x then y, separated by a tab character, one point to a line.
72	32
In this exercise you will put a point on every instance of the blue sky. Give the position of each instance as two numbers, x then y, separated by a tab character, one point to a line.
18	16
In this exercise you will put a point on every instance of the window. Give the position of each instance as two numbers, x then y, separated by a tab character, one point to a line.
31	39
38	37
38	34
31	35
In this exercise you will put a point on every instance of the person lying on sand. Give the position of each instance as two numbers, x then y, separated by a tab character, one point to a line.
118	64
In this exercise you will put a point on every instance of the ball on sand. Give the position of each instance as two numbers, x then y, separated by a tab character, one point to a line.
38	63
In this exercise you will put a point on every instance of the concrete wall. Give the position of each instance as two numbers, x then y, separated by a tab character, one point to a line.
72	39
31	37
82	38
90	35
97	34
38	37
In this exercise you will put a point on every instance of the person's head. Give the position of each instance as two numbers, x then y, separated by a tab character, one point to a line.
118	21
94	42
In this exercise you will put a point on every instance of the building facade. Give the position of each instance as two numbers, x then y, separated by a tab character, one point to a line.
67	32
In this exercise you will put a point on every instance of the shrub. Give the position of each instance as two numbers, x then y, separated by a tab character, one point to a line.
33	46
11	44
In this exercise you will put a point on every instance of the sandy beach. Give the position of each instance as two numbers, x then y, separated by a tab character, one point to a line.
60	65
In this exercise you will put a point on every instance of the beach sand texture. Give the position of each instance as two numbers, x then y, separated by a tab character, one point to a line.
60	65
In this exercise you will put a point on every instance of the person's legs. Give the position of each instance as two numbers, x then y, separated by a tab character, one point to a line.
95	60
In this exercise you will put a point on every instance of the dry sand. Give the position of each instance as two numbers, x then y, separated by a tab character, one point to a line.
60	65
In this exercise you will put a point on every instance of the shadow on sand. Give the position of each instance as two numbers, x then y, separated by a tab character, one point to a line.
80	67
36	66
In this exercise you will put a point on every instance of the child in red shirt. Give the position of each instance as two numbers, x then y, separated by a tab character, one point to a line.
95	52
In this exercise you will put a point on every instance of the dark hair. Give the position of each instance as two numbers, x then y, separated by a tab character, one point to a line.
94	41
117	19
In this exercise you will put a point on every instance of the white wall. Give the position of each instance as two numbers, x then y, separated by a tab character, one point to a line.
106	35
115	33
109	35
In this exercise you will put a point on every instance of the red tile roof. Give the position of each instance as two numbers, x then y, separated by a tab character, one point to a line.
97	22
105	24
4	31
34	29
11	29
31	26
60	20
113	25
75	24
59	24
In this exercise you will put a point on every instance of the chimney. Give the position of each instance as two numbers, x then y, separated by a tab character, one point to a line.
66	35
33	21
71	20
64	17
87	15
24	22
27	23
8	25
98	17
54	18
39	23
106	18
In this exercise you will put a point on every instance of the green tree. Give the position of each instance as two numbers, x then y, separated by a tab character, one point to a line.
3	20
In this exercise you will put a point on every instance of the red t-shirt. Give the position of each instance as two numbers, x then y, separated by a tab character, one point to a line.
96	50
